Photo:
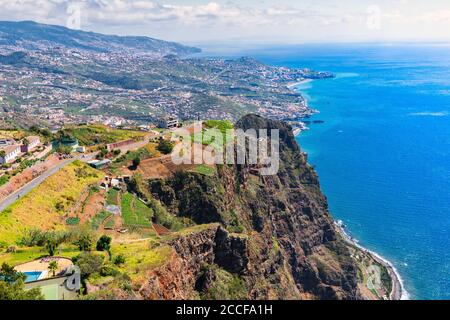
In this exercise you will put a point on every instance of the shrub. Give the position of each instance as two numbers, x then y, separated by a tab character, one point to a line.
12	286
119	260
88	263
59	206
73	221
84	242
136	162
104	243
165	146
32	237
109	270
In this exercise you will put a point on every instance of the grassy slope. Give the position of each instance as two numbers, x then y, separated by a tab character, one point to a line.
90	135
38	208
221	127
23	255
141	257
204	169
134	212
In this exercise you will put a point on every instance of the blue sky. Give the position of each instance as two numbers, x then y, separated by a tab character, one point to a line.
246	21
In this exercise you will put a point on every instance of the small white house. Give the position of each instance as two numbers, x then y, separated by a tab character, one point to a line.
33	143
9	154
168	122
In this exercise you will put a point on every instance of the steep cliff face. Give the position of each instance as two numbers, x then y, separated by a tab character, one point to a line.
274	237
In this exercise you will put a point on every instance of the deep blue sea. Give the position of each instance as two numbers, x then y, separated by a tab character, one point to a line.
383	153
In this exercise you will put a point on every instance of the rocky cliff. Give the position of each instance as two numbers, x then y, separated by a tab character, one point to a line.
253	236
273	237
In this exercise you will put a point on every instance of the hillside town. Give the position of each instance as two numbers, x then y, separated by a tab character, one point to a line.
44	88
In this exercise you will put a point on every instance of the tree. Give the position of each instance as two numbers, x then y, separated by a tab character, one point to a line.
102	153
9	274
165	146
84	242
53	240
136	162
12	286
119	260
104	243
51	246
53	266
88	263
62	149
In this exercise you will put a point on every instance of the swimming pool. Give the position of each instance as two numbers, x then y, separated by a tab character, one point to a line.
32	276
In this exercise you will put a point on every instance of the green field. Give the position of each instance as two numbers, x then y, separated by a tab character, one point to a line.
134	212
99	218
90	135
221	125
23	255
211	128
112	198
204	169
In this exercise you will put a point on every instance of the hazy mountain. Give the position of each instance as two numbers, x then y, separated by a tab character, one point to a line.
31	35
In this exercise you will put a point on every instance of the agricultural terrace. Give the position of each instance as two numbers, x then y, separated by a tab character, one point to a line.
135	213
45	206
90	135
220	125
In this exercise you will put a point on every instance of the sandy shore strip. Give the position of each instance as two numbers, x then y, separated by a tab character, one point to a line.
294	84
398	288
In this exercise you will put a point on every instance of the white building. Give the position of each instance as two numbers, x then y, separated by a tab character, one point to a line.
33	143
168	122
9	154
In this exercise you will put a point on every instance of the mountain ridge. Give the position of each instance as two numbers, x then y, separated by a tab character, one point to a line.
28	33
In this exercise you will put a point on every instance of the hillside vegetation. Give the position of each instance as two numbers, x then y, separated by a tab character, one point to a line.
90	135
44	207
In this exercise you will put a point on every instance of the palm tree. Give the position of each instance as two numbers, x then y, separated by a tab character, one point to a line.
53	266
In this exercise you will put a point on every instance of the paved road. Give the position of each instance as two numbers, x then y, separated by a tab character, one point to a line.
13	197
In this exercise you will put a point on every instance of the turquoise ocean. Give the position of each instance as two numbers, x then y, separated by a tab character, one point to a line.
383	151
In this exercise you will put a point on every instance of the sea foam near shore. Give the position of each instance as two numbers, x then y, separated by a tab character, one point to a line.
396	278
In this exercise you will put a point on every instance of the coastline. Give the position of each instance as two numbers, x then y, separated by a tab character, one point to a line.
294	84
398	289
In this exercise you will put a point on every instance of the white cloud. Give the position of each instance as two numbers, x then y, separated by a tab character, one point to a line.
188	20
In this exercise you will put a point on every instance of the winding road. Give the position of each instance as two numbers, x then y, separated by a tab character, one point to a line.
23	191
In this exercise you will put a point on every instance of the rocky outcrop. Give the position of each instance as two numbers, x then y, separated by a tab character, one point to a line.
280	243
193	253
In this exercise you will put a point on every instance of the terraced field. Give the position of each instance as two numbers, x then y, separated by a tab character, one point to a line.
91	135
134	212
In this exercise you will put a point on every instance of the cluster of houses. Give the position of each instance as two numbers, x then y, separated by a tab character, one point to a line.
10	149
